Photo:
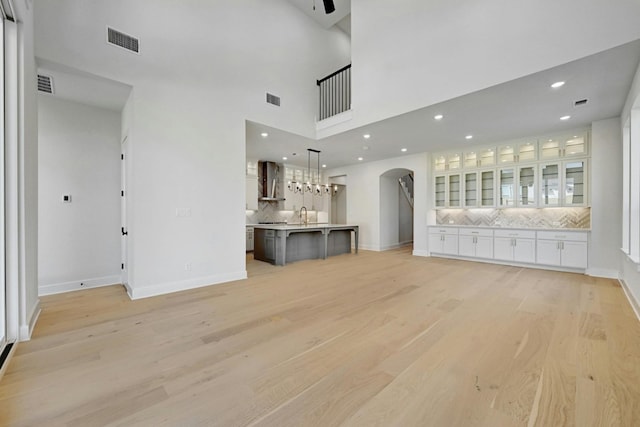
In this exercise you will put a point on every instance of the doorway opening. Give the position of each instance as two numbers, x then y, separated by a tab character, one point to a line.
396	208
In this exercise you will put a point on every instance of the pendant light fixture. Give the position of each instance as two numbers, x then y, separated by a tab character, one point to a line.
309	186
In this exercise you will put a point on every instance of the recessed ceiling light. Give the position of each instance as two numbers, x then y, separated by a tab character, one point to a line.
360	158
284	158
565	117
556	85
366	136
468	137
404	150
438	117
324	166
264	134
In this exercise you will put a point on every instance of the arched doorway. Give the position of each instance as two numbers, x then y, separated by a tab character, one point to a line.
396	208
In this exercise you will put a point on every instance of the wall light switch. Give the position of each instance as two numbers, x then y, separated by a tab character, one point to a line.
66	198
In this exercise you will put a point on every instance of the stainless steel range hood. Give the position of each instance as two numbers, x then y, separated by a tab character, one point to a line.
269	182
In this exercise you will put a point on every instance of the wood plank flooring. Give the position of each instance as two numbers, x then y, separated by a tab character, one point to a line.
374	339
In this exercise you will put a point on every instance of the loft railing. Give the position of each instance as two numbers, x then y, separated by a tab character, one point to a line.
335	93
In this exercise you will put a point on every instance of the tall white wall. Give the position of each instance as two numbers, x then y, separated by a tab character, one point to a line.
203	69
630	272
363	198
414	53
606	198
79	155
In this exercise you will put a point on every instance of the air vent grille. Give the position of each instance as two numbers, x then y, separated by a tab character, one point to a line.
272	99
580	102
45	84
123	40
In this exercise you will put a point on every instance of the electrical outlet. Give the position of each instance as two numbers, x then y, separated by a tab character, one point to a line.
187	266
183	212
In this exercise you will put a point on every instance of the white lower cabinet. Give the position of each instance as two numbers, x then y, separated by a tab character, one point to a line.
515	245
475	242
443	240
564	249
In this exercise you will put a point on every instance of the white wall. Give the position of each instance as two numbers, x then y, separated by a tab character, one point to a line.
606	198
79	154
363	198
203	69
630	272
416	53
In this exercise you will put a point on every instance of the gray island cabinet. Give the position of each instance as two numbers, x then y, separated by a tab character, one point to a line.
280	244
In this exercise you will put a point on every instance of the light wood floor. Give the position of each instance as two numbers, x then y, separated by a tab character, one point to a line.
359	340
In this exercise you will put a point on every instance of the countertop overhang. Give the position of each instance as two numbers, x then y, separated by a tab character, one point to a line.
301	227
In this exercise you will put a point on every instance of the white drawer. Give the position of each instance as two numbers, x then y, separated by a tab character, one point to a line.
475	232
525	234
574	236
443	230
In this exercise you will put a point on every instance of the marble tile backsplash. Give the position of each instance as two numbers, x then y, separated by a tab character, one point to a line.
577	218
270	212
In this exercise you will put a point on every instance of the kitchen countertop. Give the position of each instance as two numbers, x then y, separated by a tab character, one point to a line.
500	227
310	226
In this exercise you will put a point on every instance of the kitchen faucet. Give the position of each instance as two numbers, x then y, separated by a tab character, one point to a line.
305	215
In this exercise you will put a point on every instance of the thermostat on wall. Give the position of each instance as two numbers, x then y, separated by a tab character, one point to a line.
66	198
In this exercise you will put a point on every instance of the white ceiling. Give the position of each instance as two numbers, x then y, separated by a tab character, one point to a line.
75	85
343	8
520	108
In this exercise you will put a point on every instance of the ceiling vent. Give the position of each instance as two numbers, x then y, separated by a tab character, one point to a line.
272	99
580	103
123	40
45	84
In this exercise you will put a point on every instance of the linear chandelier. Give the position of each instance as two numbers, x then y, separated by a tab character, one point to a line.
308	186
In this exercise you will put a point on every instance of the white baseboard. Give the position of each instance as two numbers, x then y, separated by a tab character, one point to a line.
635	305
26	330
169	287
76	285
420	252
369	248
395	245
603	272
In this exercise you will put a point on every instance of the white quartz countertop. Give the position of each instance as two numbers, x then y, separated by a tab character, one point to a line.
310	226
500	227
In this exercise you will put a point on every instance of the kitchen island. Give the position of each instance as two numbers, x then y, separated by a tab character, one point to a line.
279	244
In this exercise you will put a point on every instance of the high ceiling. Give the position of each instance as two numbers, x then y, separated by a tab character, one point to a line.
520	108
315	10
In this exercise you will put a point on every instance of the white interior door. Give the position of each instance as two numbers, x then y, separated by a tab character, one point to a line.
123	212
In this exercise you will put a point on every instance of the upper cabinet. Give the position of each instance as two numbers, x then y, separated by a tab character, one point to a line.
535	172
448	190
563	183
524	151
448	162
571	145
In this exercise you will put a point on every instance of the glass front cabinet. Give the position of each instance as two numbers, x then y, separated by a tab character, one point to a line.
448	191
535	172
563	183
517	186
572	145
479	189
